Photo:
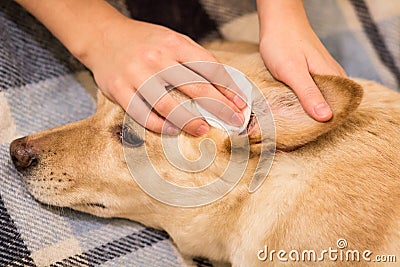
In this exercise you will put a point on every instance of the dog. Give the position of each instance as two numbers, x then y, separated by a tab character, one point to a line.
333	187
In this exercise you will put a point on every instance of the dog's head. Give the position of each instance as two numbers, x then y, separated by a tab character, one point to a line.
82	166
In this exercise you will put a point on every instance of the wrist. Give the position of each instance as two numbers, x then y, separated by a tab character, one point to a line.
281	15
94	34
95	40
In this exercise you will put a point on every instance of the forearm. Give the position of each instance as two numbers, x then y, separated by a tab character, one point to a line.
78	24
275	13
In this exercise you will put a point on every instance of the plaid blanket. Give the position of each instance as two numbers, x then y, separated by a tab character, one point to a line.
363	35
42	86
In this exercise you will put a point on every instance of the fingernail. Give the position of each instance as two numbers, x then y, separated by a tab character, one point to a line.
202	130
323	110
239	101
172	130
236	120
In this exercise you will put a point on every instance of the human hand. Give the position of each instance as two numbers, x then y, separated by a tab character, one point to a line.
123	53
291	51
131	51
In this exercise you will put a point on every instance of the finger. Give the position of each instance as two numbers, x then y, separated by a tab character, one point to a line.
213	71
340	69
326	65
203	93
155	94
308	93
342	72
214	102
135	106
219	76
336	68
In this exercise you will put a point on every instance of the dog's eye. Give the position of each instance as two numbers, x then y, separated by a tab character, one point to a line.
117	132
129	138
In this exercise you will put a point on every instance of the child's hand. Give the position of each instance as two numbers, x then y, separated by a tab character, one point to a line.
291	51
129	52
123	53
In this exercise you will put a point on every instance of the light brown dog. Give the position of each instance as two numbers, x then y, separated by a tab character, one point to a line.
331	181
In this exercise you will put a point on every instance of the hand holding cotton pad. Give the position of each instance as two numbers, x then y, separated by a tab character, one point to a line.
246	88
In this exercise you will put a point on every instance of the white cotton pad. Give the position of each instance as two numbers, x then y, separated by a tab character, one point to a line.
246	87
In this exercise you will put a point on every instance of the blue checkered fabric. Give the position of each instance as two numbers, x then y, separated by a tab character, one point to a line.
39	90
363	36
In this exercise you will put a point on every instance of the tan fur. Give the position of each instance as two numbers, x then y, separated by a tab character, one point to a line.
331	180
7	127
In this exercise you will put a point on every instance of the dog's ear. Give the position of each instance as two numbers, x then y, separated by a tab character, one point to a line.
294	127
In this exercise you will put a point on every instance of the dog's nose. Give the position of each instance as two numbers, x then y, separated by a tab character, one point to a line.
22	154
